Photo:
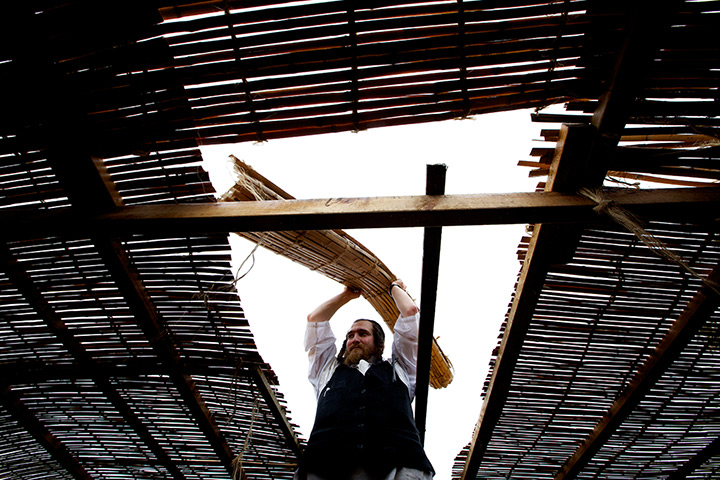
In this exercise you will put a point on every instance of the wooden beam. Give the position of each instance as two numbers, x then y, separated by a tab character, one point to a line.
428	295
26	287
128	282
698	460
582	162
57	450
682	331
527	292
90	191
694	204
550	243
277	410
645	21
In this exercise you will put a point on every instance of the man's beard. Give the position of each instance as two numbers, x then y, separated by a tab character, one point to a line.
361	352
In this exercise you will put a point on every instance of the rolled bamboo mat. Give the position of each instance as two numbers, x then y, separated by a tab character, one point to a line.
332	253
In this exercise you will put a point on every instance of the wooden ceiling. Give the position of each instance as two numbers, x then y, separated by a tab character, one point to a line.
124	350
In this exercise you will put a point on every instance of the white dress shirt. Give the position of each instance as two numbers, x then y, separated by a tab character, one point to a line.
322	352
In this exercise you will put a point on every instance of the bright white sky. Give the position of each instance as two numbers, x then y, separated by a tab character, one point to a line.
478	265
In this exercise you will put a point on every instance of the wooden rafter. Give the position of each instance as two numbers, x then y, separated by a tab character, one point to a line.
683	330
132	288
549	244
277	410
581	160
375	212
14	404
141	305
89	188
57	326
532	276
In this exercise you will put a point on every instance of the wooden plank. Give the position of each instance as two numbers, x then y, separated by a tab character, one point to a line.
576	164
428	296
139	302
277	410
683	330
90	190
696	204
527	290
548	244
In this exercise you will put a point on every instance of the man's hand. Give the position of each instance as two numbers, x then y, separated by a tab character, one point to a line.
405	304
352	292
327	309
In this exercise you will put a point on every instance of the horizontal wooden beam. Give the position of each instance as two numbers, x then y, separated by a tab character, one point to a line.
692	204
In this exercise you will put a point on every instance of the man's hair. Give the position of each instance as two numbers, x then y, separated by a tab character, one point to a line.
378	337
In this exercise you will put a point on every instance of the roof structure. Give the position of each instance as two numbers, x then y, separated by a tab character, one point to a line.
124	351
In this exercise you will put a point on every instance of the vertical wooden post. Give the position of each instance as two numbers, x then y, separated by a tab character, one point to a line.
435	185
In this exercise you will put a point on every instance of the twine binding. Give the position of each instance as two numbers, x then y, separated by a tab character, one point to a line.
633	224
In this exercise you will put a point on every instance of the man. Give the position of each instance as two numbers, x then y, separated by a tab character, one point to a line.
364	427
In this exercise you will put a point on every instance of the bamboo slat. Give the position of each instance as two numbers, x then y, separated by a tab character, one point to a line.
332	253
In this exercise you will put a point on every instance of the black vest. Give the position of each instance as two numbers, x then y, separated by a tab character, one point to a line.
366	421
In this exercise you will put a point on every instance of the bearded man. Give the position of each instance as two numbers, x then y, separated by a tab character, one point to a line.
364	427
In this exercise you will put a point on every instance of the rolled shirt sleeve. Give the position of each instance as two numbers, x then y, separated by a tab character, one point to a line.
405	347
321	350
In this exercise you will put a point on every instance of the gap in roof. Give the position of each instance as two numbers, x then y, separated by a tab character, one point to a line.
478	266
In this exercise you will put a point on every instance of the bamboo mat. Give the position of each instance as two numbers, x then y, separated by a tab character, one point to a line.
332	253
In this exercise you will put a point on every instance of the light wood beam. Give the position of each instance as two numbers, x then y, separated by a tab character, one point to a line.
696	204
91	193
581	163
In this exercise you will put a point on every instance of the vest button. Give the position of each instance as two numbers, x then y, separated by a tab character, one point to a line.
363	391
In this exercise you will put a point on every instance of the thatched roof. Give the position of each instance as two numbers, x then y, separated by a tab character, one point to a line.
123	348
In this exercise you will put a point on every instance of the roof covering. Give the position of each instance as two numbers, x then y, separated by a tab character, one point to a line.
123	346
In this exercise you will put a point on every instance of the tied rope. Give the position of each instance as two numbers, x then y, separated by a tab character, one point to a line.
237	462
633	224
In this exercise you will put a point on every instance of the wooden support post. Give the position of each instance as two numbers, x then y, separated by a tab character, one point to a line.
435	185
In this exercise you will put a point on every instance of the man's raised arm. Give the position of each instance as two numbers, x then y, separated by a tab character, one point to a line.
403	301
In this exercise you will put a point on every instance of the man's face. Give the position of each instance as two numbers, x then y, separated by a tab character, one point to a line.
360	343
